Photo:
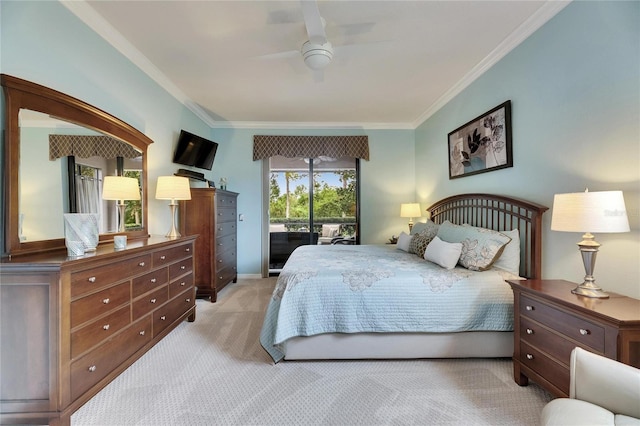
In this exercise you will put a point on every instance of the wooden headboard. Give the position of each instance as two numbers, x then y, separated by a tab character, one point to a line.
499	213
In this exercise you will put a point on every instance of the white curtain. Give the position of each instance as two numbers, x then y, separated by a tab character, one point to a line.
88	194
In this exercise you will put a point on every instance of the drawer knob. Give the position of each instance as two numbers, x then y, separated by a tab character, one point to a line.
187	300
152	300
529	331
92	369
529	356
584	332
163	257
141	264
92	279
105	327
182	284
220	261
106	301
142	333
529	308
188	249
163	317
220	277
183	267
153	280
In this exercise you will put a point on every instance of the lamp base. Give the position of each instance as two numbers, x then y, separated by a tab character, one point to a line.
587	290
173	232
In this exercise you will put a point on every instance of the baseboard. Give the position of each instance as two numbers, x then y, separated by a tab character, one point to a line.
249	276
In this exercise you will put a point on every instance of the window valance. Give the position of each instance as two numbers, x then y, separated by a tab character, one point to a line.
89	146
265	146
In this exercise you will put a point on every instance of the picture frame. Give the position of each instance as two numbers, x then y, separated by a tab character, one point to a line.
482	144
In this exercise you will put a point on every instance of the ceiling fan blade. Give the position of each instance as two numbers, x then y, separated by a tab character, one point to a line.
313	22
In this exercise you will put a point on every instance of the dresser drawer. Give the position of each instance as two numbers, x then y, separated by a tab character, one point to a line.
225	260
223	200
99	330
170	312
225	275
225	215
180	268
225	228
554	344
149	302
225	243
149	281
181	284
97	364
164	257
83	282
587	333
545	366
94	305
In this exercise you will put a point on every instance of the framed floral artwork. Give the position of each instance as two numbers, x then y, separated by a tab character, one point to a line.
483	144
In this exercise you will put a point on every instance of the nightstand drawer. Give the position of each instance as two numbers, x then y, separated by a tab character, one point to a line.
556	345
555	373
587	333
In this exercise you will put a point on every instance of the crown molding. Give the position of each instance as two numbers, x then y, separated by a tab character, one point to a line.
547	11
97	23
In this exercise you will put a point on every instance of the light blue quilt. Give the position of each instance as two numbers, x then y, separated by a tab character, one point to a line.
377	288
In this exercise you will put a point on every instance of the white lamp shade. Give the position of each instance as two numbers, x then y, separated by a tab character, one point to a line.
410	210
120	188
597	212
173	188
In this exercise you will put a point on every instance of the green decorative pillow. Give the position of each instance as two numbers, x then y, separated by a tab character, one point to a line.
480	246
420	240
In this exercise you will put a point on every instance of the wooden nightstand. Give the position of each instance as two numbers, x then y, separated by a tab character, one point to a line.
549	321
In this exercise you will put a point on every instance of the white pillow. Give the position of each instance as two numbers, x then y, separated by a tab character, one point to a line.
443	253
509	260
404	240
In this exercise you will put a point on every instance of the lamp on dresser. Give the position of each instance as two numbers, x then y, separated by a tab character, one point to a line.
602	211
121	189
173	188
410	210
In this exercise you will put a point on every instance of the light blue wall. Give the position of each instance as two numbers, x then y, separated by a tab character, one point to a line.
45	43
387	180
575	92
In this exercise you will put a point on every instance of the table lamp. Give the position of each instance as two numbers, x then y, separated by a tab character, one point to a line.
587	212
120	188
173	188
410	210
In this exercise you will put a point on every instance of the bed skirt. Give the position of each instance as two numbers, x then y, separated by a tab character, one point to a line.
476	344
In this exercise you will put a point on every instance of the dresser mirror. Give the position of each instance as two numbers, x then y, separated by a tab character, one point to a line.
57	150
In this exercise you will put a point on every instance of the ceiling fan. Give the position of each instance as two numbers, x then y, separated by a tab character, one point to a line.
317	51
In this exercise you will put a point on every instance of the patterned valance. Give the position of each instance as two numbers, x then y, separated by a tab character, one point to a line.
265	146
89	146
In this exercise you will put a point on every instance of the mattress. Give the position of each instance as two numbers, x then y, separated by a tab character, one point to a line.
379	289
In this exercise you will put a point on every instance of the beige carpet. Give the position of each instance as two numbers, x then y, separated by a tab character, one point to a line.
214	372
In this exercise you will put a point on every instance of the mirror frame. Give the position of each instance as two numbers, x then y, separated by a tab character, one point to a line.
22	94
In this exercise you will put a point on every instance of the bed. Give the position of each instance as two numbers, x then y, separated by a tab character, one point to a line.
380	302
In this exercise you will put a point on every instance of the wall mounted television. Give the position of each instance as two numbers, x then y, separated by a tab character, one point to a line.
196	151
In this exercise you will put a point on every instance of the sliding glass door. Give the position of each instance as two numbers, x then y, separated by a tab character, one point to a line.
311	201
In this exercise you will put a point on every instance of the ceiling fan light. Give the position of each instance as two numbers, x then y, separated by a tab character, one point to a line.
317	56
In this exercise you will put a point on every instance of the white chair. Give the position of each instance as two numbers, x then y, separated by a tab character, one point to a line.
329	232
602	391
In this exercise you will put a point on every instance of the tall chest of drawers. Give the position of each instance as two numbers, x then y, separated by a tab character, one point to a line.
549	321
211	214
70	326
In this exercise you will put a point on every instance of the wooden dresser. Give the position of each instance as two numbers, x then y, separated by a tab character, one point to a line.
549	321
211	214
68	327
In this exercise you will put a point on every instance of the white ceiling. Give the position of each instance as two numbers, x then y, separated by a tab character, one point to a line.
237	63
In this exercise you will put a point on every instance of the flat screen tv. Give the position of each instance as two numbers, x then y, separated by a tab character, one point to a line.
196	151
